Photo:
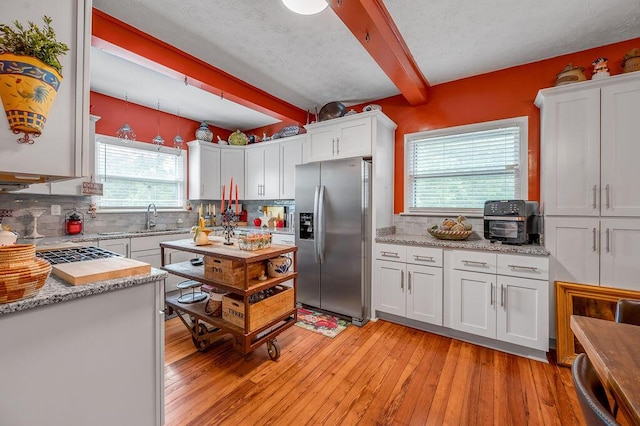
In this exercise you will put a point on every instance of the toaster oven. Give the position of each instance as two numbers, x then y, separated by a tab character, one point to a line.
511	221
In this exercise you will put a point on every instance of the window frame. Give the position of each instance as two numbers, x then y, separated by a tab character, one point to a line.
111	140
522	122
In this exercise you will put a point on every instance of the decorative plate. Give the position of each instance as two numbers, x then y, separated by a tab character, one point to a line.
289	131
449	235
238	138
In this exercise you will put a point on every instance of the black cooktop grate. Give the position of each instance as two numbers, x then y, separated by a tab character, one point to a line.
75	254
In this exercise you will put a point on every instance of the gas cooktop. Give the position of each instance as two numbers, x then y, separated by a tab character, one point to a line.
75	254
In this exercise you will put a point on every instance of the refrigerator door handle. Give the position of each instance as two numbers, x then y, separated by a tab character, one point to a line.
316	238
321	231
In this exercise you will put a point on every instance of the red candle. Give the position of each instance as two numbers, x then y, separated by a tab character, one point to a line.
230	191
222	203
236	198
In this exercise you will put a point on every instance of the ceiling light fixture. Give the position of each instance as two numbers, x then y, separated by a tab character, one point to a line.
158	139
125	133
306	7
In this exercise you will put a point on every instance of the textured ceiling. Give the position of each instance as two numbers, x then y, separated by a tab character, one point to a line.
308	61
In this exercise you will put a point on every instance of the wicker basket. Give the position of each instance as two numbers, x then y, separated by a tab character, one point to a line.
16	255
22	280
450	235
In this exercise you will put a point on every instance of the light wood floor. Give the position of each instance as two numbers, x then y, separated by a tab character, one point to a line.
382	373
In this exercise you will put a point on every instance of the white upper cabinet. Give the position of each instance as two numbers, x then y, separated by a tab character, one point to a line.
620	149
290	157
232	166
63	148
351	136
589	148
204	171
262	171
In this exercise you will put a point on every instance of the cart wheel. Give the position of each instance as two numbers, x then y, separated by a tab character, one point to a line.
201	345
273	349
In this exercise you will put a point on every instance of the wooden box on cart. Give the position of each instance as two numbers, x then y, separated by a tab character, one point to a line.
232	272
260	313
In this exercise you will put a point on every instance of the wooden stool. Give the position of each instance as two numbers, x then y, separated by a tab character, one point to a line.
194	296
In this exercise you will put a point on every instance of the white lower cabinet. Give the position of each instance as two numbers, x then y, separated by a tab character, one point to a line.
409	284
116	245
147	249
501	296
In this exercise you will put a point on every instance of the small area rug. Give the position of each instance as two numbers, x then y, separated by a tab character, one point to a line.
321	323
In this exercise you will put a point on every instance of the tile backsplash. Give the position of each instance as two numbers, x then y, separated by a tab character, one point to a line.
418	225
49	225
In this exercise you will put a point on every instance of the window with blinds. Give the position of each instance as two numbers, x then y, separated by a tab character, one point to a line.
460	168
137	174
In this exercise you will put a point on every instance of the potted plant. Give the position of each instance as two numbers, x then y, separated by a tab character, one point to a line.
30	75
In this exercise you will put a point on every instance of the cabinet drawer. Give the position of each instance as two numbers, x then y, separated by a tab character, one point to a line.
476	261
427	256
535	267
391	252
153	241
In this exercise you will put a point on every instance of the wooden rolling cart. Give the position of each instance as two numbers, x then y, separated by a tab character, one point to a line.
236	271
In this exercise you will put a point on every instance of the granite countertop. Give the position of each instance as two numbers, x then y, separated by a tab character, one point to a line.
83	238
474	242
55	290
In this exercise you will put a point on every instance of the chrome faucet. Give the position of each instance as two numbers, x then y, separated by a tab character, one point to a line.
150	222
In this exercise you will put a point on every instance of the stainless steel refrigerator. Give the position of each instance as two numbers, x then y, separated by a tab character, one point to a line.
333	236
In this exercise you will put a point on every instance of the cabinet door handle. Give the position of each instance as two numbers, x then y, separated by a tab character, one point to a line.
492	295
126	249
402	280
337	146
423	258
606	191
389	254
473	262
529	268
333	146
502	295
594	240
409	283
608	237
595	196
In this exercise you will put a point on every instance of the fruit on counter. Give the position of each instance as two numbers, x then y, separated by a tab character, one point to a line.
196	230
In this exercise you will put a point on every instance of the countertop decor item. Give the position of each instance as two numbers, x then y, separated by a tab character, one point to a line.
203	133
238	138
570	74
631	61
22	275
35	213
229	224
332	110
30	75
449	235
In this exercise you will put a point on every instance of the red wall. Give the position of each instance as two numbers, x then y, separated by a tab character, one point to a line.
493	96
143	121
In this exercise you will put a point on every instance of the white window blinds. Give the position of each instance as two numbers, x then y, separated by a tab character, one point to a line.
137	174
461	170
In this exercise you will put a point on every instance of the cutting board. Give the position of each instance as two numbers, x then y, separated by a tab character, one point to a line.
89	271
